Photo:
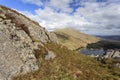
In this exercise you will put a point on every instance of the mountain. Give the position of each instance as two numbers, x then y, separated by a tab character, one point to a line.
30	52
105	44
73	39
114	37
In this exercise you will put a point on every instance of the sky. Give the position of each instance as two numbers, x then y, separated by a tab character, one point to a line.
96	17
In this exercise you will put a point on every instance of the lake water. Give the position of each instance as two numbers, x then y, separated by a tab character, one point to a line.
92	52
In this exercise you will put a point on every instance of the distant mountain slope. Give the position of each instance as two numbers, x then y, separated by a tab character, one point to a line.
114	37
74	39
105	44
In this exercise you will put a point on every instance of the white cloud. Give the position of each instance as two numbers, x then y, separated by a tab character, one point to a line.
94	18
103	18
36	2
62	5
59	20
30	15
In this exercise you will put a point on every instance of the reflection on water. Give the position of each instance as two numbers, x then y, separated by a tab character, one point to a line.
92	52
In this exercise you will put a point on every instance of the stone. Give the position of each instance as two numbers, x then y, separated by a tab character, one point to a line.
1	19
54	38
50	55
112	53
17	45
15	54
118	65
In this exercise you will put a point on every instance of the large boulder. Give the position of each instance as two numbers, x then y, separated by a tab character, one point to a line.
19	37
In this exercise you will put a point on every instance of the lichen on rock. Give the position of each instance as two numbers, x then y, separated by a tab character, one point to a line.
17	45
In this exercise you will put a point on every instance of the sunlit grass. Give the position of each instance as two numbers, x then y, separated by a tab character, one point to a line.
69	65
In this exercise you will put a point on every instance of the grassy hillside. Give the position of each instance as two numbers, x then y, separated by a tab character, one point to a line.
70	65
105	44
74	39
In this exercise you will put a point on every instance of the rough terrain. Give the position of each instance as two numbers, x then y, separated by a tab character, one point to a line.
19	37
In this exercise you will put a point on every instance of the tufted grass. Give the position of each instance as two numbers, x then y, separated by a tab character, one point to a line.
69	65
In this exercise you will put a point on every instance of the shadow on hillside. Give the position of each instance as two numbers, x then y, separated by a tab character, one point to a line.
104	44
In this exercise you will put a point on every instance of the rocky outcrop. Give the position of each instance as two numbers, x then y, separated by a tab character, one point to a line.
21	22
112	53
19	37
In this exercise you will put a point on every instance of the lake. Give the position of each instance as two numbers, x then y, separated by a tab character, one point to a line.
92	52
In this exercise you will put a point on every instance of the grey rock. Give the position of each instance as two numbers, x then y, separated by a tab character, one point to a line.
19	37
32	28
112	53
54	38
50	55
1	19
16	52
118	65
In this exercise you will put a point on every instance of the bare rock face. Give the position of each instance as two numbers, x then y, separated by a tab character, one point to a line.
112	53
19	37
54	38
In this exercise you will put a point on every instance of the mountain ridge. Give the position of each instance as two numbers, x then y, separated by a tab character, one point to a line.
110	37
